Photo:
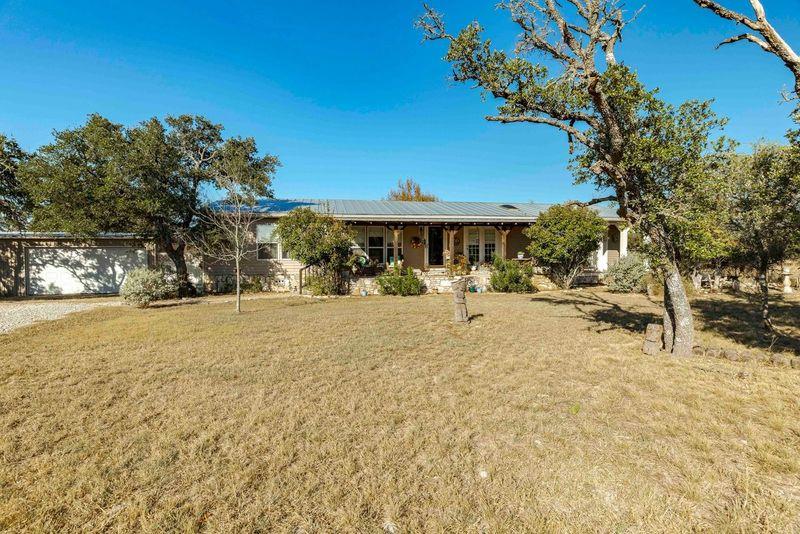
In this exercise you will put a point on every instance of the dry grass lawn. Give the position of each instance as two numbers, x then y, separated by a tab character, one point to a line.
380	414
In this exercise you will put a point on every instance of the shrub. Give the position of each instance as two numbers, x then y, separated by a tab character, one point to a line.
143	286
628	275
562	240
459	266
253	284
509	276
397	282
325	282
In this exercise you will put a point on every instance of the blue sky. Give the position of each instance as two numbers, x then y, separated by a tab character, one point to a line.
344	92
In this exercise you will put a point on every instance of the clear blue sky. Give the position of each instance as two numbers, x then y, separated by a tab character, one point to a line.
344	92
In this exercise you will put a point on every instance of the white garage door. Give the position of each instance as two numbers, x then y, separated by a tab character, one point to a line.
76	271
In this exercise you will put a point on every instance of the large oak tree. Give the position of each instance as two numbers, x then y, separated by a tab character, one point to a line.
152	179
649	155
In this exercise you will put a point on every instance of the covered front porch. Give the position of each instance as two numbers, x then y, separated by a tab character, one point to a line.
433	246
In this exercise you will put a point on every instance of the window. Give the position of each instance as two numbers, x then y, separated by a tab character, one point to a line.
489	244
375	243
267	244
390	245
359	239
473	242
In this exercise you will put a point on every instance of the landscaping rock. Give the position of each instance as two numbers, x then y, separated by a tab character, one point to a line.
780	360
653	339
699	350
732	355
795	363
715	353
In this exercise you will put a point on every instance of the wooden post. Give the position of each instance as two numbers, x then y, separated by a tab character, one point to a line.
396	231
460	301
653	339
503	241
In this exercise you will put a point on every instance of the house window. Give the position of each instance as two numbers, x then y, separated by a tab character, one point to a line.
375	243
473	242
489	244
390	245
267	244
359	239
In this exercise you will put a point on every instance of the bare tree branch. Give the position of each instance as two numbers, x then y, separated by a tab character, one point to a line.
747	37
771	41
609	198
567	127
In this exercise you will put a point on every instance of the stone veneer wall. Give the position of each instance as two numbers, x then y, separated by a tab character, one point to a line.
435	282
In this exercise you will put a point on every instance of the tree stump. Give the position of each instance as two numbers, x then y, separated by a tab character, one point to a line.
460	301
653	339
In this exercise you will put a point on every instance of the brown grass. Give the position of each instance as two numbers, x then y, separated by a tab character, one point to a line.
379	413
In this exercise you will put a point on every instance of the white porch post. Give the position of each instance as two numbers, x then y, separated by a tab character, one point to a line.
623	242
602	257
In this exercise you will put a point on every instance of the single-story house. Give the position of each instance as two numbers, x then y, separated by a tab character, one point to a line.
421	234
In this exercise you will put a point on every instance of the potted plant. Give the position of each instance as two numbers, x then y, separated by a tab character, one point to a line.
521	255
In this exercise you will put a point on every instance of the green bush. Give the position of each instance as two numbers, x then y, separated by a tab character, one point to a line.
253	284
143	286
397	282
628	275
509	276
563	239
325	282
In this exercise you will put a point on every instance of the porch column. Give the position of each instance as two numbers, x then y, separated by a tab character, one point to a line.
602	258
503	241
396	231
623	242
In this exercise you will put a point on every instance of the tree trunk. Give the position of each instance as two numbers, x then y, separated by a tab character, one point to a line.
238	287
682	322
669	320
178	256
764	286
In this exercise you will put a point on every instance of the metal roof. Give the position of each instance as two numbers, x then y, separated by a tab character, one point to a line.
65	235
400	211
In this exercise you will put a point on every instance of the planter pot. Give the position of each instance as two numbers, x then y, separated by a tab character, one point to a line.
520	255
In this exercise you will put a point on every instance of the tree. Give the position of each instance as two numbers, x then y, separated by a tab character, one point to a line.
646	153
224	229
150	179
410	190
14	200
563	240
768	37
74	182
765	212
316	239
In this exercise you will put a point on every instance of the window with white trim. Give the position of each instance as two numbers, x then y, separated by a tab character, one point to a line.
473	244
390	245
359	239
489	244
267	243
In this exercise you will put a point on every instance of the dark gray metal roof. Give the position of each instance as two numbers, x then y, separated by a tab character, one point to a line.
399	211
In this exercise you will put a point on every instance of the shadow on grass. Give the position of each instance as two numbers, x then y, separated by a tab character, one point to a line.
600	309
736	317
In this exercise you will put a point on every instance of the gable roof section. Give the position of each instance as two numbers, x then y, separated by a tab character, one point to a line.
422	212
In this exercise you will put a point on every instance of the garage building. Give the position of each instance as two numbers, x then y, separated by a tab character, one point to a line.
46	264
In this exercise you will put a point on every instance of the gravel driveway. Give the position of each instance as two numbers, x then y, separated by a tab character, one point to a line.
15	314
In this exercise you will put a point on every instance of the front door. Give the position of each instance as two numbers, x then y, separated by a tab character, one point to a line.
435	245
